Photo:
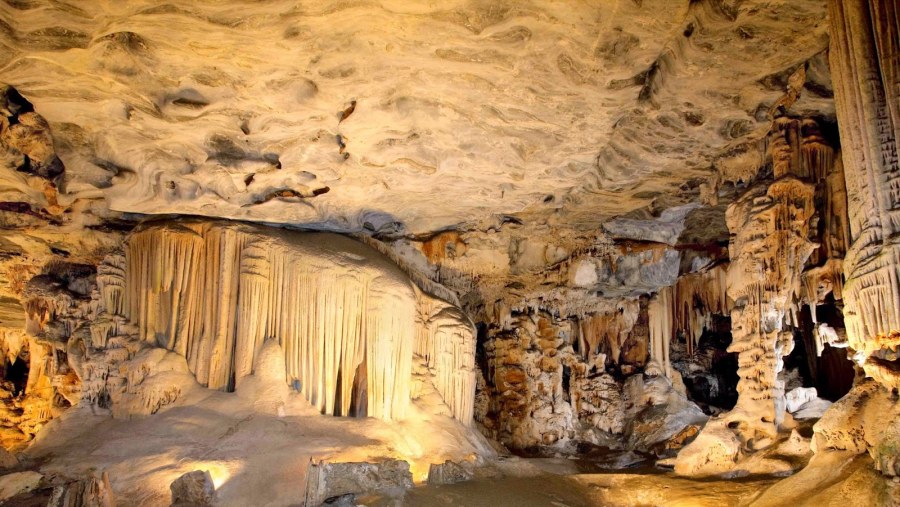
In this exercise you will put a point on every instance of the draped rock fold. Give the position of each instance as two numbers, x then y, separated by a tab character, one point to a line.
345	315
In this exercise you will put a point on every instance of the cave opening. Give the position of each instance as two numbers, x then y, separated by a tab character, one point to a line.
832	373
16	372
710	372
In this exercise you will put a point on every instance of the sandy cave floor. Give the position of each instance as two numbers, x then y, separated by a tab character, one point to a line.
258	458
254	457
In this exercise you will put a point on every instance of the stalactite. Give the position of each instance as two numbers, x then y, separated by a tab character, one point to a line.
825	334
110	280
697	297
607	332
446	340
662	323
863	60
11	343
820	281
816	155
213	293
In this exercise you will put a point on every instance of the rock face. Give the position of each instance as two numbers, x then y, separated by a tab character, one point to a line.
193	489
868	104
541	195
341	112
334	480
18	482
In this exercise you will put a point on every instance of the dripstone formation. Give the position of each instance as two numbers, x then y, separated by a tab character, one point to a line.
355	253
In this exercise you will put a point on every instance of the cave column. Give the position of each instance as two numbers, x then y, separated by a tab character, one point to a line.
768	249
865	63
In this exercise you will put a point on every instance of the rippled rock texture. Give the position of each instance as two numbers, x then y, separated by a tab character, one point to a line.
355	115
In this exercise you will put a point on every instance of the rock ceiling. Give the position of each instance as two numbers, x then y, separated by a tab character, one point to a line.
406	117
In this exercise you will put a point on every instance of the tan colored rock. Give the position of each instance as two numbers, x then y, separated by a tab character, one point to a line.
18	482
328	480
95	491
193	489
863	61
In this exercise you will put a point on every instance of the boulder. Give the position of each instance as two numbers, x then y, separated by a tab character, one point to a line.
18	482
325	481
94	491
798	397
7	459
714	452
193	489
448	472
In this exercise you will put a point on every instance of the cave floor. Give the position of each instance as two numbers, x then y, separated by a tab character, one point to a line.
583	490
851	482
255	457
260	458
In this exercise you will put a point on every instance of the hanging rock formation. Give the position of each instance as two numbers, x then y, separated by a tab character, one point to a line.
864	61
345	316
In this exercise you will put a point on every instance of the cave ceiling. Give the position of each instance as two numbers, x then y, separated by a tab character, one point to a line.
407	118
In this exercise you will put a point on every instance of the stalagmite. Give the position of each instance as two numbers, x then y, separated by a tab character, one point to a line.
769	249
344	315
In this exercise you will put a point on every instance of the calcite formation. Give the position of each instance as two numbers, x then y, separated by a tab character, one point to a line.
864	55
494	106
620	232
546	397
772	270
771	247
344	316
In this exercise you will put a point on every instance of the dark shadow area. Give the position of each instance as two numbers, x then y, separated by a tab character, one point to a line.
714	386
831	373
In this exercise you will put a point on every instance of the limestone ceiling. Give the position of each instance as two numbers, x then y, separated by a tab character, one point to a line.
565	112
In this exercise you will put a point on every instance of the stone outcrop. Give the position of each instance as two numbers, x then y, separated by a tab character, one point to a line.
193	489
326	481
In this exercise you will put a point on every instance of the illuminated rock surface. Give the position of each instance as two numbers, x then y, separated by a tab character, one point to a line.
312	252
